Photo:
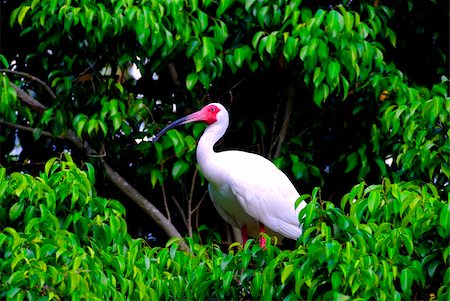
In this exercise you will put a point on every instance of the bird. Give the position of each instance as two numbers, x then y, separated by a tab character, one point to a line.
248	190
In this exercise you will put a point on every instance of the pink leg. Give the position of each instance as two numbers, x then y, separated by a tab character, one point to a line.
262	239
244	234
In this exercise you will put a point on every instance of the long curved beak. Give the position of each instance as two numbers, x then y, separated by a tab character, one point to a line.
187	119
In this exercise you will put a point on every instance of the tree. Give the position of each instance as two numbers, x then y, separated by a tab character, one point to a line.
314	86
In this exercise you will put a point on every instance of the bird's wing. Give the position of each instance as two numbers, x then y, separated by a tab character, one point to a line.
265	193
230	209
218	204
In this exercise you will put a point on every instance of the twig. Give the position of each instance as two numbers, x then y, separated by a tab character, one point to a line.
273	140
166	206
183	215
197	208
191	195
287	114
33	78
232	88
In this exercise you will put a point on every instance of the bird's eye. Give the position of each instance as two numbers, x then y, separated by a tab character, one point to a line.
212	109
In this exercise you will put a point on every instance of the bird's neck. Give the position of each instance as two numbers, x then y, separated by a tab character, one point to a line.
205	148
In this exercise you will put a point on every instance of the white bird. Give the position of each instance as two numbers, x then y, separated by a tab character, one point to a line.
248	190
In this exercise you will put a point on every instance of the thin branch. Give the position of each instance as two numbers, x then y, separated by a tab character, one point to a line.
166	206
287	113
191	195
200	202
273	140
180	208
197	209
33	78
229	91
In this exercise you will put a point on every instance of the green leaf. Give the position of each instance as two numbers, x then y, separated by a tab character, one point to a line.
15	289
290	48
270	44
22	13
208	50
248	4
4	61
191	80
156	177
198	61
37	133
392	37
336	281
239	56
15	210
373	201
224	4
335	22
352	161
345	85
287	271
303	52
227	278
49	165
205	79
192	48
333	70
406	278
320	94
179	168
203	20
256	286
220	32
444	218
310	213
256	38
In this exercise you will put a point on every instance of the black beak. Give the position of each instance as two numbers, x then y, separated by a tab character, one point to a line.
170	126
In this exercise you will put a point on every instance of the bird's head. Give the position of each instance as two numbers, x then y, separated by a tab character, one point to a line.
209	114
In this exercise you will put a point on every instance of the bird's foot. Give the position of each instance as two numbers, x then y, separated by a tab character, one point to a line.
262	239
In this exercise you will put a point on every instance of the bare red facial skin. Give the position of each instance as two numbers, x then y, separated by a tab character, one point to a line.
210	114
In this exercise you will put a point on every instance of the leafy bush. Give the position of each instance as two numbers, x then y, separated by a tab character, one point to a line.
60	240
347	108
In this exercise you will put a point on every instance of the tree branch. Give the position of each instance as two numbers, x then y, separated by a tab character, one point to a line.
28	129
30	101
142	202
120	182
33	78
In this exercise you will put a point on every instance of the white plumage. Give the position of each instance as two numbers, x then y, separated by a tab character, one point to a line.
246	189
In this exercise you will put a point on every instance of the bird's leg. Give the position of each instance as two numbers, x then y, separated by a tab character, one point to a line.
244	234
262	239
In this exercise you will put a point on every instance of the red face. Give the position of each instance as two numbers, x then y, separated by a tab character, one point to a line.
209	114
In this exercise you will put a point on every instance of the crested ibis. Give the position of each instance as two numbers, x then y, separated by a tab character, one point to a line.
248	190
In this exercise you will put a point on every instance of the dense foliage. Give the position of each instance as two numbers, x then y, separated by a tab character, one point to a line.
62	240
331	91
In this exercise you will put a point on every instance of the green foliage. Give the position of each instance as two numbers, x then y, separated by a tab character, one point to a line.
59	239
418	124
388	241
333	52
